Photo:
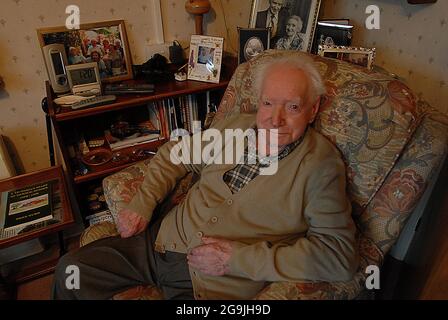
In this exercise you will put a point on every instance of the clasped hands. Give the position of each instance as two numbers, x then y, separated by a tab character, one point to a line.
211	258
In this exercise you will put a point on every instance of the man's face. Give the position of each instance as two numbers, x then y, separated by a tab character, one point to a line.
292	27
275	5
284	104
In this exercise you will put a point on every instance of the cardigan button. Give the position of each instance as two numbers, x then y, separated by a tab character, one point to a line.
214	219
173	246
199	234
230	202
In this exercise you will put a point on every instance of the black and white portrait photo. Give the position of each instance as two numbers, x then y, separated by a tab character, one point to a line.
292	22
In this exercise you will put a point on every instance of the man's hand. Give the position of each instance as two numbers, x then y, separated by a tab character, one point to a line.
130	223
211	258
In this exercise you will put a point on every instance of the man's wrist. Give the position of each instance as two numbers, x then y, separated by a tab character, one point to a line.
233	267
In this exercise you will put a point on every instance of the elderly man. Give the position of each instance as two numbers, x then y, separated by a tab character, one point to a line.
274	17
236	230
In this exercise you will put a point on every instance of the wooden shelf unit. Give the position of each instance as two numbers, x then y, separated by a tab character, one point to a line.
66	121
111	167
162	91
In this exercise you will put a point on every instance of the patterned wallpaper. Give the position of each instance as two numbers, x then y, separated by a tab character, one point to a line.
179	25
411	43
402	45
22	66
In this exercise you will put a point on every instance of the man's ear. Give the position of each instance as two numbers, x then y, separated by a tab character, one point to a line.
315	110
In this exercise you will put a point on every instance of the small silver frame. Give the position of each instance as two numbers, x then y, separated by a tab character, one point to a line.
369	52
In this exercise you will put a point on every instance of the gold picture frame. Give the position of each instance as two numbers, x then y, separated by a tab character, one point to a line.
364	57
103	42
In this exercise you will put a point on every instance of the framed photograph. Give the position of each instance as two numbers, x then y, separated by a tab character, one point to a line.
252	42
205	58
333	33
105	43
360	56
292	22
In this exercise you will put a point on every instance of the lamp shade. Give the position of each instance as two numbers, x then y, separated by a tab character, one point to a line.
197	6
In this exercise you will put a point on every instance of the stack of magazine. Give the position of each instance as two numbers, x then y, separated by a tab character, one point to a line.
24	209
139	133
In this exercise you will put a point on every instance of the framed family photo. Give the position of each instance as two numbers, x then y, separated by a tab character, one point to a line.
363	57
252	42
292	22
105	43
205	58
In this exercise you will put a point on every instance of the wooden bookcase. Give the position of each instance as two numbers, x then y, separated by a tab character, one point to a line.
70	124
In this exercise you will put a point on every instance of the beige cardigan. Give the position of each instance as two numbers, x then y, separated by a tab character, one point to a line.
294	225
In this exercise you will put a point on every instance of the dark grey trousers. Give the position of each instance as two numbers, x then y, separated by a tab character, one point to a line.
112	265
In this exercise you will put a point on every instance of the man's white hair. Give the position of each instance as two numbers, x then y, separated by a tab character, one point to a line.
301	62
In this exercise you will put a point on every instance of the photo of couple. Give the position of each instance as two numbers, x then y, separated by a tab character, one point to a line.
292	22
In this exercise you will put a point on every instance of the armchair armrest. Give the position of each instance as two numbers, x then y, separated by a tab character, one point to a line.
120	187
370	254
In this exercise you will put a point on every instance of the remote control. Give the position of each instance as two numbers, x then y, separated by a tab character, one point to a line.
94	101
125	88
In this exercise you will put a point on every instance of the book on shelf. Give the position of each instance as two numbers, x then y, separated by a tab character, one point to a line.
97	207
25	206
144	132
183	112
100	217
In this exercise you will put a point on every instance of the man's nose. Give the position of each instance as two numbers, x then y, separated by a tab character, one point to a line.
278	116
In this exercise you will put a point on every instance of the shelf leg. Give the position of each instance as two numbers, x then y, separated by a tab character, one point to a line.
49	132
7	291
62	248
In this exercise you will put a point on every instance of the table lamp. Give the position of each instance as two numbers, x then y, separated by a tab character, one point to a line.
198	8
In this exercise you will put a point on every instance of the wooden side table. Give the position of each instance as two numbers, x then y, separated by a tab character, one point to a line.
62	214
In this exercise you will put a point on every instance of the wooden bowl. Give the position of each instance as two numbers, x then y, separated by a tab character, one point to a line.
97	157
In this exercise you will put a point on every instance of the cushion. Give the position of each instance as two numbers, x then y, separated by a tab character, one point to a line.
98	231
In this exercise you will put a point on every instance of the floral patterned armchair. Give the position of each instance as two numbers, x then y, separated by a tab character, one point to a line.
390	141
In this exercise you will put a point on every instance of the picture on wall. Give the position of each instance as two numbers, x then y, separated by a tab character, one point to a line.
104	43
252	42
292	22
205	58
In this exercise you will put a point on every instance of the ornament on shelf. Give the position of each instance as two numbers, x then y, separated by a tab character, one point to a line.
198	8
